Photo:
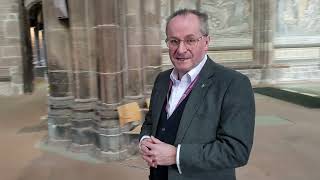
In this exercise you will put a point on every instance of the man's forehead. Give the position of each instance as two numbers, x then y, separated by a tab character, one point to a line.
184	23
185	37
184	17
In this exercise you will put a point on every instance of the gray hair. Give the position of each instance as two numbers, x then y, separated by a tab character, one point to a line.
203	18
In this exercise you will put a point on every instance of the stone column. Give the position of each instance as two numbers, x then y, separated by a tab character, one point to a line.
151	56
36	46
26	49
59	75
12	55
133	88
109	139
84	72
263	35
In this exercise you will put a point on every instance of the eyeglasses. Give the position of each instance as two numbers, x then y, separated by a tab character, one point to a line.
189	43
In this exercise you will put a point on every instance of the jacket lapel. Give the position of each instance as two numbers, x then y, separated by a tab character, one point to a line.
196	97
161	93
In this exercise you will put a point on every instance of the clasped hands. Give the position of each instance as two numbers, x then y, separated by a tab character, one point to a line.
156	152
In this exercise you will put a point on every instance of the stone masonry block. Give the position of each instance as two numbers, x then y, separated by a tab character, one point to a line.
81	135
134	57
58	49
79	115
151	56
12	29
134	85
111	86
81	123
58	77
84	85
108	12
135	36
60	102
152	36
10	61
11	51
59	132
110	142
77	12
59	120
59	90
109	57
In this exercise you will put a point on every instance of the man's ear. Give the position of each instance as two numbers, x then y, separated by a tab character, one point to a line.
207	41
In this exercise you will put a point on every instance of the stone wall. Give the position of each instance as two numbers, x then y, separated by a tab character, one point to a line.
271	41
11	80
105	54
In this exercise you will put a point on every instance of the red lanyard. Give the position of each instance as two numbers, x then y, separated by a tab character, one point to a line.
185	94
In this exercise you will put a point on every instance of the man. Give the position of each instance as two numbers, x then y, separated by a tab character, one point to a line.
200	123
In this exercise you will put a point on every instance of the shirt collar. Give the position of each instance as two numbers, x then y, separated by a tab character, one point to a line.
191	75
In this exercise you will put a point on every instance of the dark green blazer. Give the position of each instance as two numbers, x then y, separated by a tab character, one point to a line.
217	126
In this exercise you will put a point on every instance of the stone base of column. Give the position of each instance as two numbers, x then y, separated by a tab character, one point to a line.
139	99
81	132
59	116
85	127
85	148
111	156
110	140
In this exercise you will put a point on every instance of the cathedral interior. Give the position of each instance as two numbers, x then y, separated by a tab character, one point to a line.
88	59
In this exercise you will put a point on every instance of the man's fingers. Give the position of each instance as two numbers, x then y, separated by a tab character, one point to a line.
145	150
155	140
148	159
151	162
150	145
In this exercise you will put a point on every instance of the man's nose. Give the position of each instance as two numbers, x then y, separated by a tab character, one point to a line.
182	47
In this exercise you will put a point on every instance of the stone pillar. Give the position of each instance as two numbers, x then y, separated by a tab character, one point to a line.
59	75
82	24
109	139
36	46
151	56
263	35
26	49
11	48
133	79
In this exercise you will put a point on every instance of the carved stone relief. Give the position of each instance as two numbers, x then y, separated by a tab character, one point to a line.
189	4
228	18
165	12
230	21
298	18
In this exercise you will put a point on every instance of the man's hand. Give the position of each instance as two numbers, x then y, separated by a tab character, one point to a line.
160	153
146	153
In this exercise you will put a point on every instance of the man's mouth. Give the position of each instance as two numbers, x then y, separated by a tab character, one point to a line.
182	58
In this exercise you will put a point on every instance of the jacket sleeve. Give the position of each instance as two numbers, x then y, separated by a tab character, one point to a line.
234	136
147	124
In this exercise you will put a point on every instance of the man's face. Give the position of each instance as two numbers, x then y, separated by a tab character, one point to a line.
183	57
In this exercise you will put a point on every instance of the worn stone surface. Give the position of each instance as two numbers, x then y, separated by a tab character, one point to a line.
59	132
82	135
10	46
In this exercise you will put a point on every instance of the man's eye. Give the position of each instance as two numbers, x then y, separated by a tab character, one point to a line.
174	41
190	41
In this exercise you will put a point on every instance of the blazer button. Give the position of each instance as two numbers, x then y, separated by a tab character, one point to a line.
163	129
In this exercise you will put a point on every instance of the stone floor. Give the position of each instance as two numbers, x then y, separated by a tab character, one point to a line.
286	145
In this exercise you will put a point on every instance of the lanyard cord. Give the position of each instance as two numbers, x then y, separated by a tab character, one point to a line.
185	94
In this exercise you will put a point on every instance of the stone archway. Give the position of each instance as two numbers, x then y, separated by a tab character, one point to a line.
38	45
32	42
